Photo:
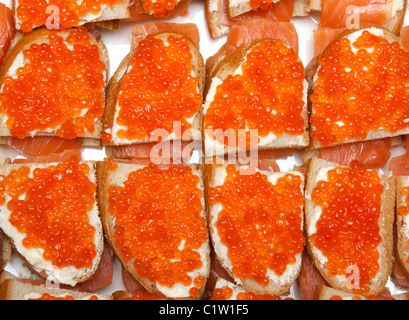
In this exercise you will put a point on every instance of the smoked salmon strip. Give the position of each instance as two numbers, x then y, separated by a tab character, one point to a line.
341	13
372	153
245	31
7	30
141	31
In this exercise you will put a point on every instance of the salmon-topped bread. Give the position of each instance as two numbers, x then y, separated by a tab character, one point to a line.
219	22
156	93
358	88
349	215
53	84
65	14
50	214
256	225
256	98
154	218
348	13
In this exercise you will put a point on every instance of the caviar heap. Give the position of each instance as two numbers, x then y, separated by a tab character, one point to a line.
360	89
61	195
158	90
404	210
159	8
370	297
33	13
47	296
266	96
226	293
347	231
260	223
59	88
160	226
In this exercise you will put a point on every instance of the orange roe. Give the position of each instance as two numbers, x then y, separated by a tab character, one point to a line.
160	8
159	224
370	297
33	13
47	296
348	232
53	214
58	88
267	96
362	92
403	210
260	223
159	89
138	295
226	293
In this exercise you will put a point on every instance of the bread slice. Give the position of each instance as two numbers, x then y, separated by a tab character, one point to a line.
214	10
226	65
402	225
317	171
326	293
15	59
22	289
312	77
33	256
112	108
119	10
277	284
109	177
5	244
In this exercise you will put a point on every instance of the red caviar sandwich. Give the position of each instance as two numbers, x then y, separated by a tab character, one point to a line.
154	218
65	14
156	93
349	215
358	88
402	224
256	94
327	293
220	22
53	84
226	290
12	288
50	214
256	221
5	245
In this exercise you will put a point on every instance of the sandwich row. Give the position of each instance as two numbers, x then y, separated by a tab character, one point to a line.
162	221
249	96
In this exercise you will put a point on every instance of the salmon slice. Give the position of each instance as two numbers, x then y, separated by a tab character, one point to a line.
281	11
246	31
310	278
182	9
216	271
404	37
323	37
373	153
400	275
43	145
103	276
162	151
130	283
141	31
7	30
397	166
69	154
338	13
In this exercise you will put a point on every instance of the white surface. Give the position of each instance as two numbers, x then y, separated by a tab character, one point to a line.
118	45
